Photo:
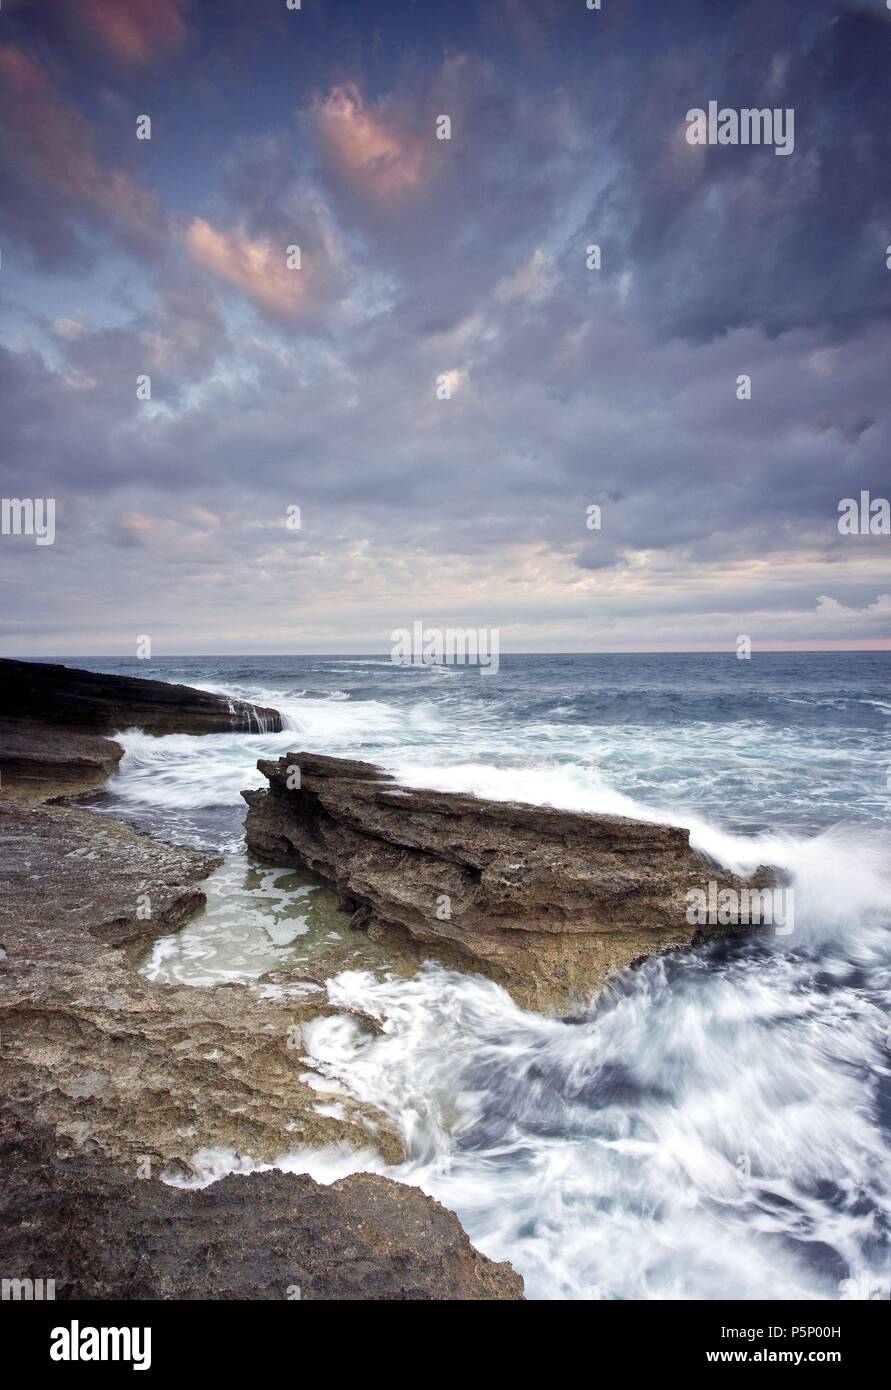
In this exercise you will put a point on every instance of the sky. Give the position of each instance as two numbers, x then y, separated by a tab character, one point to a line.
445	386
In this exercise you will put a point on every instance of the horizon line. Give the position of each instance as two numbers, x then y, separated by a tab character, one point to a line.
616	651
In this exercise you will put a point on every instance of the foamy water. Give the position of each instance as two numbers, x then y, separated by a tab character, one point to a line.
719	1126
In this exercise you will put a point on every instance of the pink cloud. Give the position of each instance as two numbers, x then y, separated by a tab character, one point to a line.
257	267
370	147
52	144
133	32
137	528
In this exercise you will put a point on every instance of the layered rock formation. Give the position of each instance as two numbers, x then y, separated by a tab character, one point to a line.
111	1080
50	717
546	902
38	761
102	1054
87	701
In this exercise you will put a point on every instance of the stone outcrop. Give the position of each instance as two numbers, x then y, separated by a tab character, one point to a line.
99	704
108	1077
39	761
546	902
100	1233
51	716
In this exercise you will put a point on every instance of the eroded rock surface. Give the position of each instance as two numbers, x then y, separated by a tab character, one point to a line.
100	1232
546	902
110	1080
103	1055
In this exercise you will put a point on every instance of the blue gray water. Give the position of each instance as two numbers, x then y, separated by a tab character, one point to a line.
718	1126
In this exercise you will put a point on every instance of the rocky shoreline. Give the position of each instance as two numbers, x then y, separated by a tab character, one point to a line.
111	1081
114	1085
65	697
268	1235
52	719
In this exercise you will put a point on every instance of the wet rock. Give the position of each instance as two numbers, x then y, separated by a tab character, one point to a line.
546	902
110	1081
100	1232
90	702
104	1056
50	717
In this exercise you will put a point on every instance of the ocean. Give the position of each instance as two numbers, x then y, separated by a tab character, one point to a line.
717	1125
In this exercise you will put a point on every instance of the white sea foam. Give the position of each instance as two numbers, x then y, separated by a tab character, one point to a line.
326	1165
678	1145
713	1129
184	771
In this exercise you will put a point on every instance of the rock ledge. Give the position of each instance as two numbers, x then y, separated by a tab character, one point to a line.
546	902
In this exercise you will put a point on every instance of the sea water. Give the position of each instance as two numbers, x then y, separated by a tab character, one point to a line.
718	1125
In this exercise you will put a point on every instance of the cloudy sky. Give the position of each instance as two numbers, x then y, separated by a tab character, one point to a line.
425	260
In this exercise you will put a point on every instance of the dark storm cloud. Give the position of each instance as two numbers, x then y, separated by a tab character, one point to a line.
446	218
464	261
739	237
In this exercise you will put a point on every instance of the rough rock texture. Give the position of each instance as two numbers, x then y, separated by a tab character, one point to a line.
62	695
100	1232
102	1054
108	1078
38	760
546	902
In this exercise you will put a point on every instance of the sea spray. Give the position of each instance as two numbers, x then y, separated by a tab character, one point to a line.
715	1126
